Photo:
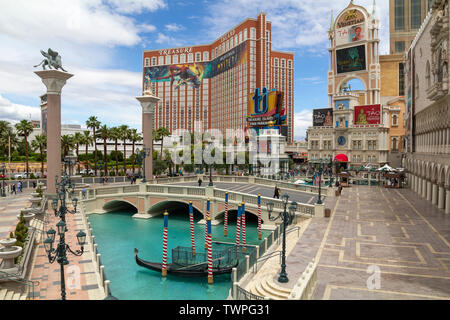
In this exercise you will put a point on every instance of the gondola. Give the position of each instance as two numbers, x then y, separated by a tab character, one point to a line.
197	270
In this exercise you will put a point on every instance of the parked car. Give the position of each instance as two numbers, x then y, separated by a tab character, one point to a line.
88	172
22	175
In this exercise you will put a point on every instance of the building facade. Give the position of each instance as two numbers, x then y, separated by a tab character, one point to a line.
355	123
209	86
405	19
427	116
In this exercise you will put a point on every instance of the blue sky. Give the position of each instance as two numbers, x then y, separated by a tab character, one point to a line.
101	42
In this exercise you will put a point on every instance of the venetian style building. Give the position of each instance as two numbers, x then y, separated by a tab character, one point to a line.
218	79
427	116
358	121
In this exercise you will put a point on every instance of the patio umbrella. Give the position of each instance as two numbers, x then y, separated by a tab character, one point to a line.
341	158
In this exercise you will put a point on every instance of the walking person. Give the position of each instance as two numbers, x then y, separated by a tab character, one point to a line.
200	182
276	192
13	189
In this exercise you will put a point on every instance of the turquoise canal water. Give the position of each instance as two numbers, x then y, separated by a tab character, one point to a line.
117	234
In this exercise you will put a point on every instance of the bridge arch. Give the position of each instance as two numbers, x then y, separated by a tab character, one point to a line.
250	215
174	207
118	204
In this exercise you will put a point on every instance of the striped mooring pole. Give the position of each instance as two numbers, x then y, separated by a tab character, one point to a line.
210	262
191	221
225	223
238	226
243	226
259	217
208	205
164	259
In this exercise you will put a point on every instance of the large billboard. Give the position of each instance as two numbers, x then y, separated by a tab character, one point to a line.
193	73
350	27
369	114
323	117
351	59
266	106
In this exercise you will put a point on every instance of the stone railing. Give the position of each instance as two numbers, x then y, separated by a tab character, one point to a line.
305	285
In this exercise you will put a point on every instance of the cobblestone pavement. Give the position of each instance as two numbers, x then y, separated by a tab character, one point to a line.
391	231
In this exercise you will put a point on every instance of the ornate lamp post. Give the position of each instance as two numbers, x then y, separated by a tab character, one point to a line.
59	254
141	155
3	170
287	219
319	200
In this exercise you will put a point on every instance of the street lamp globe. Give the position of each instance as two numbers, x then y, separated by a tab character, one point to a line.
51	234
81	237
61	225
270	207
48	245
285	198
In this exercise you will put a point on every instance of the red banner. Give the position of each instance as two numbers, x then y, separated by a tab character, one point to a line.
370	114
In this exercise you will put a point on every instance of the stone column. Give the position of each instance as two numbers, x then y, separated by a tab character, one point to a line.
419	186
148	103
429	190
424	188
441	198
434	194
447	201
54	81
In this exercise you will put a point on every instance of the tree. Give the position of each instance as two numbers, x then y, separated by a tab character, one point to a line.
104	134
40	143
6	135
24	128
134	137
115	135
87	141
124	134
94	124
161	133
77	140
67	143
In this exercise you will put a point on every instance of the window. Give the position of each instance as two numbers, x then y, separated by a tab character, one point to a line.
400	46
190	57
161	60
395	120
154	61
417	86
416	14
399	15
146	62
182	58
427	75
205	56
175	59
198	57
401	79
168	59
394	144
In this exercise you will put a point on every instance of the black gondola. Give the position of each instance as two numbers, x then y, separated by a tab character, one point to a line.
185	270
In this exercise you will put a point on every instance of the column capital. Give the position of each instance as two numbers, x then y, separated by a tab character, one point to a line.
54	80
148	102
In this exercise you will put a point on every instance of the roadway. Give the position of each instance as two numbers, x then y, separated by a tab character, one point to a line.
254	189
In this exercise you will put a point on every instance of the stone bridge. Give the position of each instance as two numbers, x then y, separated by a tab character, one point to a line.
149	200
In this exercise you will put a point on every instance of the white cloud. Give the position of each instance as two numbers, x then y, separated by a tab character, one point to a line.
162	38
302	120
174	27
13	112
136	6
295	24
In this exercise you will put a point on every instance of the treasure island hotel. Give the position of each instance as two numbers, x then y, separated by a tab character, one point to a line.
210	85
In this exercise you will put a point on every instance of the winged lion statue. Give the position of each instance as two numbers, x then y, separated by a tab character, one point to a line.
52	59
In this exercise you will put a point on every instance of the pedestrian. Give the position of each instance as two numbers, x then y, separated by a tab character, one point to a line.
83	193
200	182
13	189
34	184
276	193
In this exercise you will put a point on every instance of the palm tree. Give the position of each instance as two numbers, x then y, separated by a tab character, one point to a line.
115	135
67	144
77	140
87	141
94	124
24	128
40	143
104	134
124	134
161	133
134	137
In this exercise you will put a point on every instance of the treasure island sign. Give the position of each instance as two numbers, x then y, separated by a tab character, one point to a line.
350	27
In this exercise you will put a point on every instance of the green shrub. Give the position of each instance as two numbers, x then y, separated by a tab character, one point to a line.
11	235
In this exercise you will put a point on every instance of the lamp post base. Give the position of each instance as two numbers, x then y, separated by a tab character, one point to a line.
283	278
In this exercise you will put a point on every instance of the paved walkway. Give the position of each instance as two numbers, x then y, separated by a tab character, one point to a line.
371	230
10	207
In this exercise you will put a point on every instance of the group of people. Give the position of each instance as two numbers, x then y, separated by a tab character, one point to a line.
14	187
